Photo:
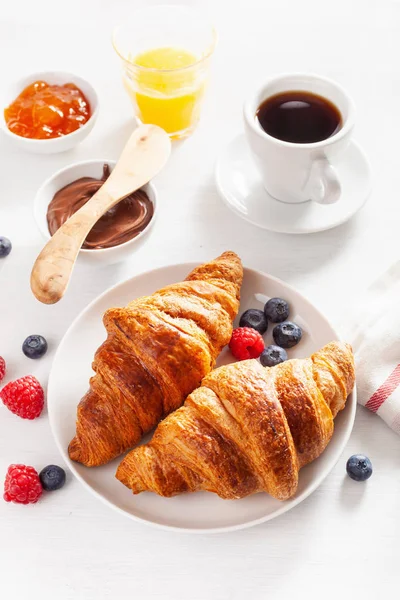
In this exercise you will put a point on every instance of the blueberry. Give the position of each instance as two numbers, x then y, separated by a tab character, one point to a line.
287	334
276	310
5	247
255	319
273	355
52	478
359	467
34	346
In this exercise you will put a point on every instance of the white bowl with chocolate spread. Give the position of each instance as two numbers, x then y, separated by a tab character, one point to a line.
117	233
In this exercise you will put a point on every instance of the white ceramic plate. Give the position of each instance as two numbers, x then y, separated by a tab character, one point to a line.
240	187
201	511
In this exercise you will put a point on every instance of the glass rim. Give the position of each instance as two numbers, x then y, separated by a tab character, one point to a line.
202	59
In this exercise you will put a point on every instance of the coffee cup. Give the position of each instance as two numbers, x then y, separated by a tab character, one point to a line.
299	171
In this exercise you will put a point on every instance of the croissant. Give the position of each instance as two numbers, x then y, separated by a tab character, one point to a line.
247	429
157	351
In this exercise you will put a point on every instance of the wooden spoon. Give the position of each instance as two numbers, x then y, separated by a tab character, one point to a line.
143	157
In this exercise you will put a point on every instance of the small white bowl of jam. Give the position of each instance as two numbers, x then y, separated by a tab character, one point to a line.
117	233
49	111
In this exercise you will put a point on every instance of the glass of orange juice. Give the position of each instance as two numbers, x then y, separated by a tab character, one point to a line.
166	53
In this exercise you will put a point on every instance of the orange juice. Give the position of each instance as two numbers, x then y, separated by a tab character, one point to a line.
167	86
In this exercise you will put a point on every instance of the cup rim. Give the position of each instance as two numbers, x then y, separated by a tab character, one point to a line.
249	115
22	81
90	251
209	53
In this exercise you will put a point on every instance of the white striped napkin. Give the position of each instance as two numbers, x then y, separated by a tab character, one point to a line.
375	337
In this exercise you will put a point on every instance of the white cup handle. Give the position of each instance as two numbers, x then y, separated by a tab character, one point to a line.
323	185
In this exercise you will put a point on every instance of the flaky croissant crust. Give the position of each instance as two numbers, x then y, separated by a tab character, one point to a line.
157	351
246	429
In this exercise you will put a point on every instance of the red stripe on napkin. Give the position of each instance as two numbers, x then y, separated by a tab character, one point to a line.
386	389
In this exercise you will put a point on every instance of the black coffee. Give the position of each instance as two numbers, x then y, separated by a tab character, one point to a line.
299	117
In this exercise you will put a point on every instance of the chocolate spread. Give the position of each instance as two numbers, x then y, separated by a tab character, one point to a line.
118	225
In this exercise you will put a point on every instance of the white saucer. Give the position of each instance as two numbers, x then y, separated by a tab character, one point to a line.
240	187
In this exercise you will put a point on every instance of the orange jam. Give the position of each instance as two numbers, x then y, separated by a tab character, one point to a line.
44	111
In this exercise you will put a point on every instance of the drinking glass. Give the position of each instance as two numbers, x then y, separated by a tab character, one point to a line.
166	53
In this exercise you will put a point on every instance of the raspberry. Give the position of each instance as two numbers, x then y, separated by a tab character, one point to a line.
22	485
2	368
246	343
24	397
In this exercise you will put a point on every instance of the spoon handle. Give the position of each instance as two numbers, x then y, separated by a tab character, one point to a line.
53	267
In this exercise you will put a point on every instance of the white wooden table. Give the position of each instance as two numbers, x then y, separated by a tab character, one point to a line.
344	541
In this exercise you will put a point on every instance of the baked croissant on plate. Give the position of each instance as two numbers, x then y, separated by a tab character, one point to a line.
157	351
247	429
